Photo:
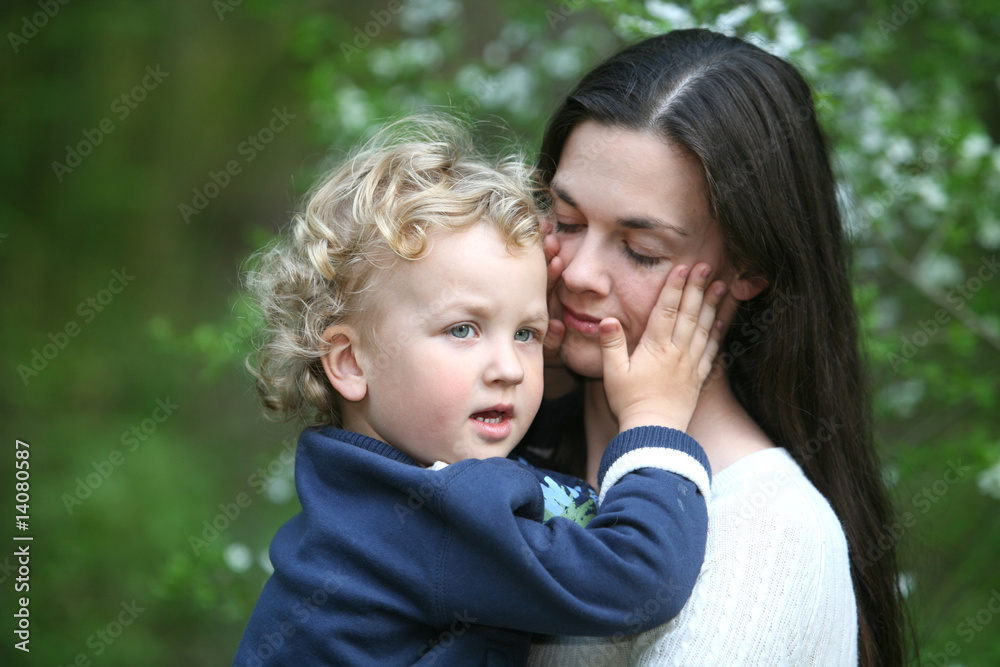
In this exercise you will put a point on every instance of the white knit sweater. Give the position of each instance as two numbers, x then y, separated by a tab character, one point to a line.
775	589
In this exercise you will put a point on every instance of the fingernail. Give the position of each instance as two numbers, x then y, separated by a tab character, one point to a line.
608	327
704	271
683	272
720	289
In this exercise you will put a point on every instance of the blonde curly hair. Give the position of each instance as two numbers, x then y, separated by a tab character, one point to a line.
414	176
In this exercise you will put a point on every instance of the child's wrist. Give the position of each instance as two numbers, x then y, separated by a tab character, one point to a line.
670	418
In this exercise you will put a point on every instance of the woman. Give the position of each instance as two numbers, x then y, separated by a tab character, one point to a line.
689	147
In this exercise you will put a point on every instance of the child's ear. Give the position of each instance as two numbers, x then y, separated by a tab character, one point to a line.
341	362
745	287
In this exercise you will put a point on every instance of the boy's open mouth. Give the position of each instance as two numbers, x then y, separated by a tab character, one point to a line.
493	416
494	424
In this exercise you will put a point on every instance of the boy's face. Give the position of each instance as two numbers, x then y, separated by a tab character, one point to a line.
455	366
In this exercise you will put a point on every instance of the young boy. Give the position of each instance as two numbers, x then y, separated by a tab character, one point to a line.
409	307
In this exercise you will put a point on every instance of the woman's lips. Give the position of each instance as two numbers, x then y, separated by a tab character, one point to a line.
582	323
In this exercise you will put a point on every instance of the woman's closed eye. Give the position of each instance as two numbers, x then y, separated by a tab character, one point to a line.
563	227
639	258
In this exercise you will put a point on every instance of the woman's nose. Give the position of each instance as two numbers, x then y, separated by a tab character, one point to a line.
585	262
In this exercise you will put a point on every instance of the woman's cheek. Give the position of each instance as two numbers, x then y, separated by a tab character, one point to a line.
567	248
639	296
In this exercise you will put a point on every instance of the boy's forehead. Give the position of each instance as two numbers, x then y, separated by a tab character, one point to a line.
472	270
471	253
457	295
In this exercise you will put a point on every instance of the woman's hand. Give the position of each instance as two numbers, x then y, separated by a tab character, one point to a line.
658	385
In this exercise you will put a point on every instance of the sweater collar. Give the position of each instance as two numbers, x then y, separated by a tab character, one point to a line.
363	442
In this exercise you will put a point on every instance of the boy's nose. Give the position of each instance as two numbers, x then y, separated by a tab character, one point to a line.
505	366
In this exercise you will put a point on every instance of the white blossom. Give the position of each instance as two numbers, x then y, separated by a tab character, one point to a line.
939	271
728	23
496	54
382	63
675	15
563	62
354	109
264	560
470	79
976	146
420	53
238	557
419	15
988	234
509	89
890	475
931	192
886	314
514	34
906	582
900	149
788	36
989	480
626	25
279	489
771	6
904	396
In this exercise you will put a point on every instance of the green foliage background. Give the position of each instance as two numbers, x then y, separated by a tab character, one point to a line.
119	500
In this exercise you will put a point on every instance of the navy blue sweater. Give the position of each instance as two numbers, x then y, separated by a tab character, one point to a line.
391	563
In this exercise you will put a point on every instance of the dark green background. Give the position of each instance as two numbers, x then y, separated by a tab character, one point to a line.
892	73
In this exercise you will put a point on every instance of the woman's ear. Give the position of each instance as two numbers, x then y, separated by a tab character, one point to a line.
745	287
341	363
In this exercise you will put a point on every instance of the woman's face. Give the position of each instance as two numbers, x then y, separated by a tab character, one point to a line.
627	207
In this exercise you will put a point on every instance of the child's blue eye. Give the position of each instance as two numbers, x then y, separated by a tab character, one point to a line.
524	335
461	330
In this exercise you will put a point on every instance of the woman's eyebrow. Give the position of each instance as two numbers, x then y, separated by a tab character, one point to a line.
641	222
562	194
631	222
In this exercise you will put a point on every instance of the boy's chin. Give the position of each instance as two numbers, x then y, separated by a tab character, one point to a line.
474	448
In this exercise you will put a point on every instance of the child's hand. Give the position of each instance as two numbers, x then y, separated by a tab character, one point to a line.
659	384
554	336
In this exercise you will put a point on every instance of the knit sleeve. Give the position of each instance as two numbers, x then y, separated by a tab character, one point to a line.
631	568
775	589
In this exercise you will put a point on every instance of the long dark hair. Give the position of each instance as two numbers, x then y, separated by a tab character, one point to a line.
793	355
